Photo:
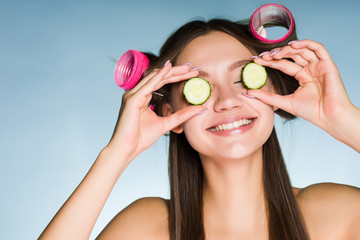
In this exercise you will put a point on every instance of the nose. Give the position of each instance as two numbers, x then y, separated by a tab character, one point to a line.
227	98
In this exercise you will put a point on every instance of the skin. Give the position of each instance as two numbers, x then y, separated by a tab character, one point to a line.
233	206
232	163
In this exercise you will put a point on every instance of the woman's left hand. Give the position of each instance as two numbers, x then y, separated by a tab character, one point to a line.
321	98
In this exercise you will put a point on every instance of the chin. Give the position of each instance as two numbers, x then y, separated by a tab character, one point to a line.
239	151
233	153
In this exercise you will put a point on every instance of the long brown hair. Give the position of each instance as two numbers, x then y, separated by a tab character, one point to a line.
185	168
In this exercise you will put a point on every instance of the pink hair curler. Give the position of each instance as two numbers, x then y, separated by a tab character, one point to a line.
271	14
130	68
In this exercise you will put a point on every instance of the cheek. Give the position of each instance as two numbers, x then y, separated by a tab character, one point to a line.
194	132
192	126
265	119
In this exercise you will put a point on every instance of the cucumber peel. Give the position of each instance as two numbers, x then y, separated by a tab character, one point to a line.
254	75
197	90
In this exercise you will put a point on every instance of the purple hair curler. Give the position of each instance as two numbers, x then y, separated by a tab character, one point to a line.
130	68
271	14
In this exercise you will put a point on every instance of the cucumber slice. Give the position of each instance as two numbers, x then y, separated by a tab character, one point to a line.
254	75
197	90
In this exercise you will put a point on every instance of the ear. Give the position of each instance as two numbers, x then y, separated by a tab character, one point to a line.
168	110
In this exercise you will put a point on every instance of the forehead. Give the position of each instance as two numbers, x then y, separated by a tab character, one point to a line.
215	46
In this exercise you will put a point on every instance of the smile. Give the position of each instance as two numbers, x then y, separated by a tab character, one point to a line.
230	126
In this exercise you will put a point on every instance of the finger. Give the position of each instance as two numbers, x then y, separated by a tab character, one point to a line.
316	47
299	60
272	99
289	52
289	68
181	116
141	94
159	74
159	80
177	70
178	78
173	71
286	66
274	55
145	80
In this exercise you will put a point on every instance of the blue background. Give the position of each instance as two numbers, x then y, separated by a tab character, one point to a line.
59	102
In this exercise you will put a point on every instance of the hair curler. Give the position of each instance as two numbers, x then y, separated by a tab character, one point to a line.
130	68
271	15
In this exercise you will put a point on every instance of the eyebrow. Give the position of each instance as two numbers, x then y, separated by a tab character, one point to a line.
230	68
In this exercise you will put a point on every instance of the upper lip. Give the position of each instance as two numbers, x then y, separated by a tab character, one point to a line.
230	120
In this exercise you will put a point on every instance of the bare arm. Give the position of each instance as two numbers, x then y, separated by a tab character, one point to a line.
347	128
78	215
137	129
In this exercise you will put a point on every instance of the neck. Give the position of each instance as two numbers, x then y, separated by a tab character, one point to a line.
233	194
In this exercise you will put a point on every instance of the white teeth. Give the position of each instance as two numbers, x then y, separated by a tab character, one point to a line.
229	126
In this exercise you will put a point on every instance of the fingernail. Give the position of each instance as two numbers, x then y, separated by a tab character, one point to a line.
248	96
166	63
195	68
274	52
263	53
291	42
203	111
253	57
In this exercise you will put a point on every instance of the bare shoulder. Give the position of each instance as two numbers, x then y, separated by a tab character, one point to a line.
146	218
331	209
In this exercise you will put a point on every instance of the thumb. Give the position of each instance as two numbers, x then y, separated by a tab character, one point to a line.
273	99
181	116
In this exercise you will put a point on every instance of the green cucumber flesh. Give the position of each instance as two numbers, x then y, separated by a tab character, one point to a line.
254	75
197	90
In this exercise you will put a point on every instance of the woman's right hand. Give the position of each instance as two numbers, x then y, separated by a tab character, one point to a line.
138	127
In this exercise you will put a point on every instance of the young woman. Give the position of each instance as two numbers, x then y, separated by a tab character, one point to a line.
227	175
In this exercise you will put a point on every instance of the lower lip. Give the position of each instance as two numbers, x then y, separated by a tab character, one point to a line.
235	131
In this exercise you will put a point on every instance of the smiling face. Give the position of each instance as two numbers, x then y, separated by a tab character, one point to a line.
234	126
